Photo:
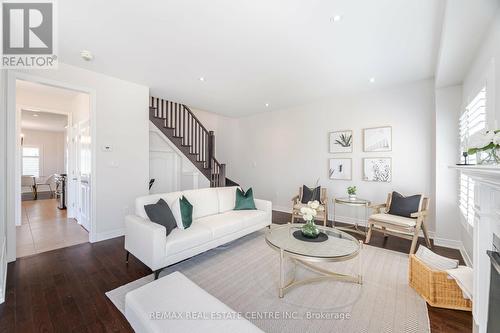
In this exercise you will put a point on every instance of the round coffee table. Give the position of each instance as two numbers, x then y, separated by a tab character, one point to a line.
340	246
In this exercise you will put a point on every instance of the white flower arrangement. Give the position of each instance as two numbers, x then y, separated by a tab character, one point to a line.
310	211
484	141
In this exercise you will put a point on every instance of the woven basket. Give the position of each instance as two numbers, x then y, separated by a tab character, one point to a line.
436	287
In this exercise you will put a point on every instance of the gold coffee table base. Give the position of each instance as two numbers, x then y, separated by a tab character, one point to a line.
324	273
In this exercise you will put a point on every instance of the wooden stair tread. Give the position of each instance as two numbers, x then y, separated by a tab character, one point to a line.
197	143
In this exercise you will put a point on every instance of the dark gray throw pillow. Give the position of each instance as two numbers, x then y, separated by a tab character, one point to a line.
310	194
160	213
404	206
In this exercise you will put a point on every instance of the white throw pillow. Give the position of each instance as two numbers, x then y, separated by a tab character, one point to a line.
175	207
435	261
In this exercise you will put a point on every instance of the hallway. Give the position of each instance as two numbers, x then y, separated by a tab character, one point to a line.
45	228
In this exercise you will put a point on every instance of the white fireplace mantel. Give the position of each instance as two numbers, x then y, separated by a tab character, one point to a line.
486	223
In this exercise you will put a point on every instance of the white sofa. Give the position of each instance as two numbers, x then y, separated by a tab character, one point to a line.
214	223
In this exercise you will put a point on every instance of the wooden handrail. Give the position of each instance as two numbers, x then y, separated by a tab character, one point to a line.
187	132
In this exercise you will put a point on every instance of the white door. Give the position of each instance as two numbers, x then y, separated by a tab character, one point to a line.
83	150
163	168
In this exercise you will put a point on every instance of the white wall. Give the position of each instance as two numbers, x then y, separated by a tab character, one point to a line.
52	147
226	137
485	69
121	120
3	185
171	169
281	150
448	108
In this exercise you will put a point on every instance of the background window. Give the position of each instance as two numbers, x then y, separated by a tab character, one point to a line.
472	121
31	161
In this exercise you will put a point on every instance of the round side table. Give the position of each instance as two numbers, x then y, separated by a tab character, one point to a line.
357	203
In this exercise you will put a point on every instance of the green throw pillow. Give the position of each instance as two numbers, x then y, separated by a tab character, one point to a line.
186	212
244	200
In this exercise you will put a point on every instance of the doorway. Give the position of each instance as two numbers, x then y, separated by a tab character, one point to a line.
54	167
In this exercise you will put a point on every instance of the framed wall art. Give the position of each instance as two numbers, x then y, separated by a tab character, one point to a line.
377	169
341	142
340	168
377	139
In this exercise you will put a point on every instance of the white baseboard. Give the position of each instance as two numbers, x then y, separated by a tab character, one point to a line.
108	235
465	255
282	209
3	270
450	243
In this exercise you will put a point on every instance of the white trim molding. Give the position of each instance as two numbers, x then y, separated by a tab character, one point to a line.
486	223
13	207
3	269
450	243
101	236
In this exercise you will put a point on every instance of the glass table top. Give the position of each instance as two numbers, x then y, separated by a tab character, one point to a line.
356	201
338	245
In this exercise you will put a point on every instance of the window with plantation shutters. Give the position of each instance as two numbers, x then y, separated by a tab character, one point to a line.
31	161
472	121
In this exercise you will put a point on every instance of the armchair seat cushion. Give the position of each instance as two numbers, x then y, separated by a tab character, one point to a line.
394	219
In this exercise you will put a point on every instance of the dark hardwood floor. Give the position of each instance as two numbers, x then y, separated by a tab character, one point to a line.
63	290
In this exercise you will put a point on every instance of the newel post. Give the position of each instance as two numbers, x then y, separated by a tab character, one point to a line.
211	148
222	175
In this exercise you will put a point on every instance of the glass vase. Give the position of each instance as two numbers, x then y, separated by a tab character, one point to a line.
488	157
310	230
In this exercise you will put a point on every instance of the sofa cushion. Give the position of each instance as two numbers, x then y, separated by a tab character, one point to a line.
310	194
404	206
160	213
249	217
221	225
186	212
227	198
140	202
244	200
205	201
183	239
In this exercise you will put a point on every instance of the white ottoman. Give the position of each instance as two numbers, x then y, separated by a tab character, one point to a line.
176	304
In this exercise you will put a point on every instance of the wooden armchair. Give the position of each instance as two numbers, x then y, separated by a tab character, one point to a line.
297	205
404	227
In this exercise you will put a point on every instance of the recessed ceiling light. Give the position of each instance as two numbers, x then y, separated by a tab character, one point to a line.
267	105
202	79
336	18
35	115
86	55
372	80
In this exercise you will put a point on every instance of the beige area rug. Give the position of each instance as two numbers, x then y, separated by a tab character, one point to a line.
244	276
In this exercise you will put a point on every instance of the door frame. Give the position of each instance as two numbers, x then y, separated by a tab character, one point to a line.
39	110
13	154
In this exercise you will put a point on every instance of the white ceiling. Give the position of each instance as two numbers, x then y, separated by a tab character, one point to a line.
43	121
465	25
26	88
35	100
281	52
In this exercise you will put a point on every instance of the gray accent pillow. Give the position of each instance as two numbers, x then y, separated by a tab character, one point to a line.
404	206
160	213
310	194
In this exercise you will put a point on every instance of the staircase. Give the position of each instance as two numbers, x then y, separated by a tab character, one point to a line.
181	126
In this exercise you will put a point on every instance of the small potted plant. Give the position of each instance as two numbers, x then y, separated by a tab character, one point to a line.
351	190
